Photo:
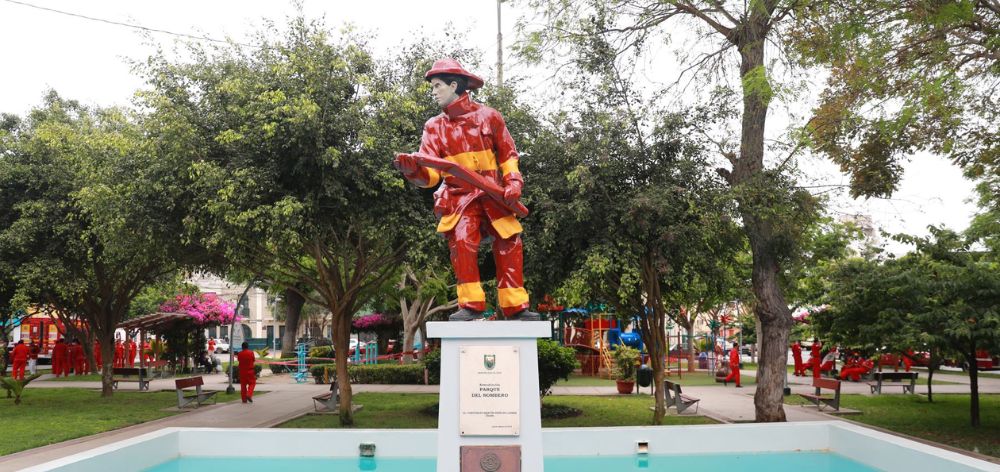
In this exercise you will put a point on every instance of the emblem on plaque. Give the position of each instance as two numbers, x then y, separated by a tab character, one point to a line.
489	361
490	462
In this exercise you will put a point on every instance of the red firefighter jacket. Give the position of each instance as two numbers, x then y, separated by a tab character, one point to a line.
246	360
474	136
20	353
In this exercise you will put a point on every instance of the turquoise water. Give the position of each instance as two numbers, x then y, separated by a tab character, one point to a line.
769	462
744	462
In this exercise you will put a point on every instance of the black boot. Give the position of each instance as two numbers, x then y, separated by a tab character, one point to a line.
466	314
525	315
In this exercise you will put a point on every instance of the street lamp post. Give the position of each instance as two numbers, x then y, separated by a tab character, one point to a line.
232	324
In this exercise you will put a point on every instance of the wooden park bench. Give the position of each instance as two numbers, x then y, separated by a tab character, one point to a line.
818	399
126	374
329	401
898	378
198	397
677	399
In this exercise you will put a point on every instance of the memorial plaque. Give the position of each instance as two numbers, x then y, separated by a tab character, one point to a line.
488	398
490	459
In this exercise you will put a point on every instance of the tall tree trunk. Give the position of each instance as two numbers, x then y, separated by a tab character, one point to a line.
106	337
341	345
654	335
973	386
409	336
930	375
771	308
690	346
293	313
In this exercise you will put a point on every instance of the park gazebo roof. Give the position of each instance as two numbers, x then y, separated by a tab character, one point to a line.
155	321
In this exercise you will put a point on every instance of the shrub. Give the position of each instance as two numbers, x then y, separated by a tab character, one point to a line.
625	358
318	370
321	351
235	370
554	362
386	374
412	374
310	361
432	362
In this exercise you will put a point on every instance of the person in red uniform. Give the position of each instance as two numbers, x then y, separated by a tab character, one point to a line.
60	358
19	359
475	137
97	358
147	352
248	378
814	358
34	350
734	366
79	358
119	360
855	367
797	356
130	349
211	345
908	359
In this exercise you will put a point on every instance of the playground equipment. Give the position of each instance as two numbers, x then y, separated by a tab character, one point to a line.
370	355
590	340
301	374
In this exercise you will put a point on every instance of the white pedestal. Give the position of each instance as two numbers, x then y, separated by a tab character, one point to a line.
521	335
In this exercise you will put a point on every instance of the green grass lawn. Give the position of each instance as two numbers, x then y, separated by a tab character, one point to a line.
51	415
75	378
945	421
577	380
406	410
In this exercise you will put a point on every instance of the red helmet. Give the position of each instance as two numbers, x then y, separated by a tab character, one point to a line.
451	66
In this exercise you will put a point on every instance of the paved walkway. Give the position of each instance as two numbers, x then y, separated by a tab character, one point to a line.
286	400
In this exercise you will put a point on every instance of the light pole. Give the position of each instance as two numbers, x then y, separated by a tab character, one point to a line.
232	324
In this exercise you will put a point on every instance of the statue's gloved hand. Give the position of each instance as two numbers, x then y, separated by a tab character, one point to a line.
405	163
512	192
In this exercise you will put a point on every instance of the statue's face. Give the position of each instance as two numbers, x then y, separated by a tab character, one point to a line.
442	93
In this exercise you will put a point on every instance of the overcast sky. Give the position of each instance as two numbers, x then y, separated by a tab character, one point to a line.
85	59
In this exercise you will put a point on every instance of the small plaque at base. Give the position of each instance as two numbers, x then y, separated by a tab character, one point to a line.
490	458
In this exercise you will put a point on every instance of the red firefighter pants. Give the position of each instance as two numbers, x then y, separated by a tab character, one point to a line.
463	246
18	370
734	374
248	380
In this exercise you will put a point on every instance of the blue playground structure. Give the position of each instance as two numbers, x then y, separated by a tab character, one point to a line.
370	356
301	374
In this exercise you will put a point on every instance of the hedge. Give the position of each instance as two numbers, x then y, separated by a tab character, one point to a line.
411	374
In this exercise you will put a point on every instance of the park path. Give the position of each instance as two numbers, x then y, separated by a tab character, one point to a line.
286	400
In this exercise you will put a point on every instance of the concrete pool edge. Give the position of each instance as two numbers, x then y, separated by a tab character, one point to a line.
871	447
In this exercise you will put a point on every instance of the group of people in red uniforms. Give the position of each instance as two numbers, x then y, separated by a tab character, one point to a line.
70	356
854	368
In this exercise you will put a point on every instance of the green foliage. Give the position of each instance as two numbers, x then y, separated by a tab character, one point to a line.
432	362
93	209
384	374
234	371
905	77
321	351
941	297
15	387
626	361
554	362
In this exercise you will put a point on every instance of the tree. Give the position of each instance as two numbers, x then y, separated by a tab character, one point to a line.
942	295
97	213
639	207
904	77
291	142
421	297
772	209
